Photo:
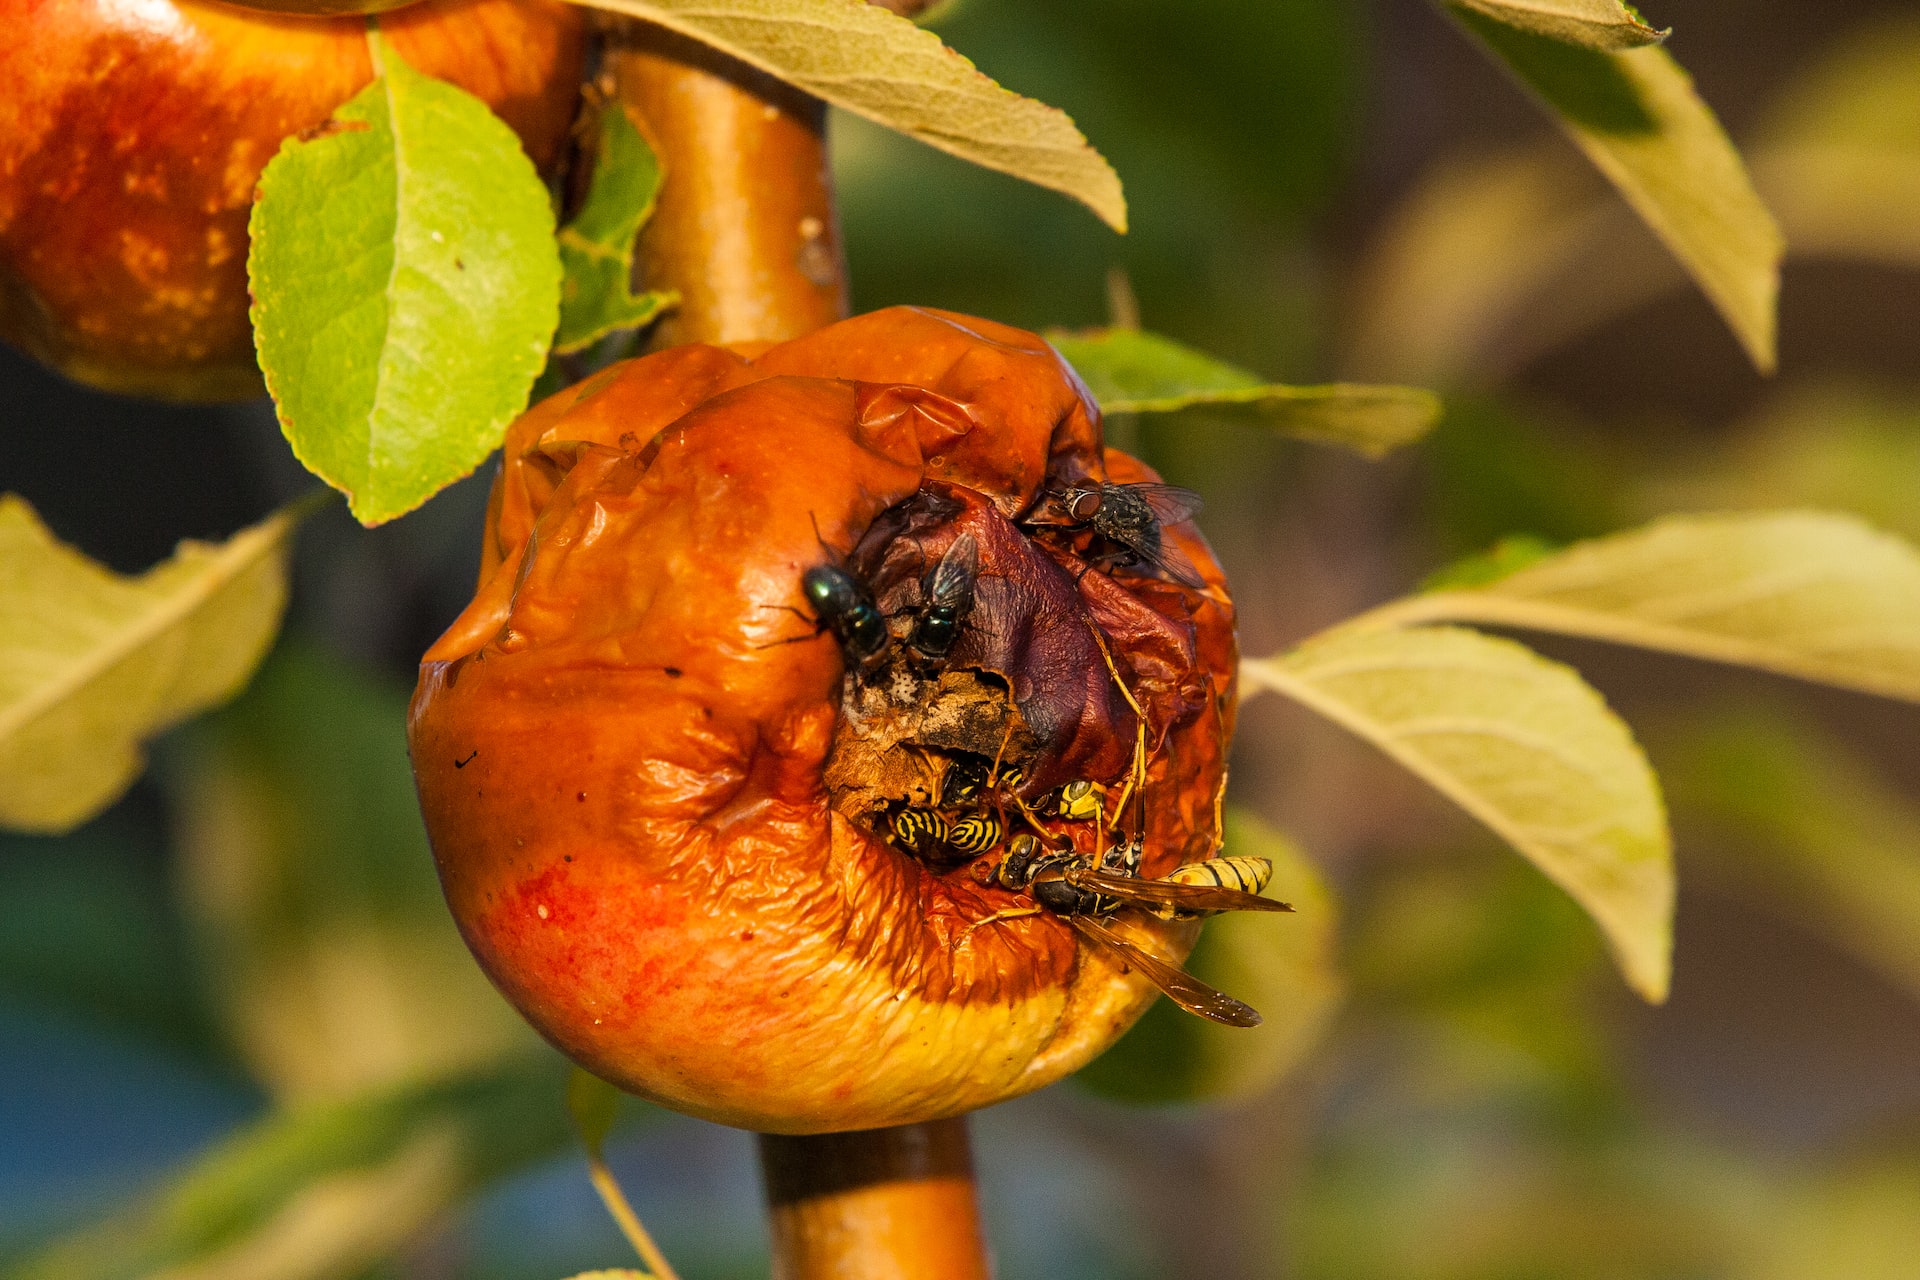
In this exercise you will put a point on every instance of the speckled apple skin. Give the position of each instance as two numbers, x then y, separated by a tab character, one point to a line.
132	133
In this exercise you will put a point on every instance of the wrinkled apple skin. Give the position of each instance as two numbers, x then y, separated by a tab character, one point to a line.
132	133
620	746
325	7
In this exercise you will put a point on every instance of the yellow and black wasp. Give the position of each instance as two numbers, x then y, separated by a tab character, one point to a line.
1069	885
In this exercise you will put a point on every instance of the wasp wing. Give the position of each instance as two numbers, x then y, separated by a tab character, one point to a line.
1191	897
1180	986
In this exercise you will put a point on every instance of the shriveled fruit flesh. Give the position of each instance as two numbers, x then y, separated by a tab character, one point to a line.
132	135
669	789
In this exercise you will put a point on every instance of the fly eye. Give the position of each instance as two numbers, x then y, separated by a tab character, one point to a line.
1084	505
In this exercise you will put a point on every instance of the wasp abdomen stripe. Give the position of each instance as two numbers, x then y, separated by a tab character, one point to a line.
1247	874
975	833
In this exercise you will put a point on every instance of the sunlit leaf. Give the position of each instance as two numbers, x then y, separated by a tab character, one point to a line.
876	64
1819	596
1286	968
1522	744
1493	260
1636	116
596	248
623	1273
324	1190
1133	372
1595	24
405	286
304	867
1806	830
92	663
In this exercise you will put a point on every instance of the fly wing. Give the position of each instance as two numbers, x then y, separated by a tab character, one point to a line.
1192	897
1169	502
953	576
1169	559
1180	986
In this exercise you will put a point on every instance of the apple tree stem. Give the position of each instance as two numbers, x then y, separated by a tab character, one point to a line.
745	230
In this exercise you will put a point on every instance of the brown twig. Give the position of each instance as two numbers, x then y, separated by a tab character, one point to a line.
745	231
882	1204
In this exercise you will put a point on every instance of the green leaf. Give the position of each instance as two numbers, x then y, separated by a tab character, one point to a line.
1636	116
1522	744
1509	555
879	65
1133	372
1819	596
326	1189
93	662
304	867
405	286
596	248
1592	24
1284	968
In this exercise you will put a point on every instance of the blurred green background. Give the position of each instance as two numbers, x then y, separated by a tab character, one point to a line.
1320	189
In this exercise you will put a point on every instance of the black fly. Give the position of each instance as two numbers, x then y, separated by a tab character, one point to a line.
949	596
1131	516
846	607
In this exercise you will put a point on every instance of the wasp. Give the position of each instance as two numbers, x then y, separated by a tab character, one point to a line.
1079	801
1069	886
845	607
968	776
949	598
1131	516
921	832
1243	874
929	836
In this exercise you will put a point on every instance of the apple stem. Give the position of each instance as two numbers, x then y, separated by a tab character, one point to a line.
745	230
880	1203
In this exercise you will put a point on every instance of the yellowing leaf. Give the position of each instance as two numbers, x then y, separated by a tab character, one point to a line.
1133	372
1522	744
874	63
1594	24
1819	596
1283	966
93	663
1636	116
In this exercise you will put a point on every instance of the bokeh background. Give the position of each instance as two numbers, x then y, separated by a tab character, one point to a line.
1320	189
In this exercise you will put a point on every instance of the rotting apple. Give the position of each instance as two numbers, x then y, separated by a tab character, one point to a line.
659	795
132	133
